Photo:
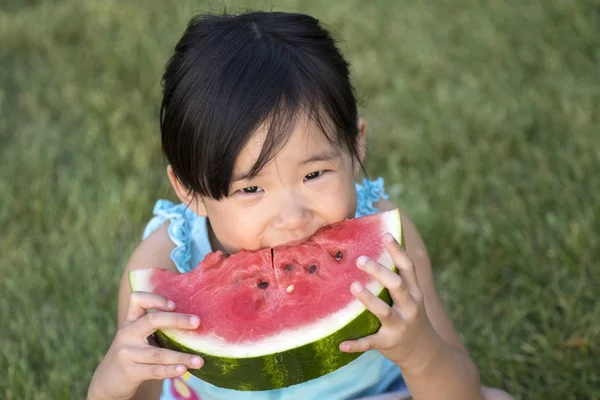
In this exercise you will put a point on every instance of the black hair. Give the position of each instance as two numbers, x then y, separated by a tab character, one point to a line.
231	74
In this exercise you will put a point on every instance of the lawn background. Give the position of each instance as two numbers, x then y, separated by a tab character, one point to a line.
484	121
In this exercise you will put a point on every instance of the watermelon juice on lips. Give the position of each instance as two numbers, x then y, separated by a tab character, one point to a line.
275	317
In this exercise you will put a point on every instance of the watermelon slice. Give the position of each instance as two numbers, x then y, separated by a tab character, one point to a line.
273	318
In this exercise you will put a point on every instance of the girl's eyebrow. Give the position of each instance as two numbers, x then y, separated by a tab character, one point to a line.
327	155
243	176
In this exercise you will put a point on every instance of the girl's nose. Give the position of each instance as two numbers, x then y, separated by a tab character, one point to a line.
292	215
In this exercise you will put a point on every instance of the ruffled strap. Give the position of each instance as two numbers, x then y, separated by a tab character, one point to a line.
368	193
179	231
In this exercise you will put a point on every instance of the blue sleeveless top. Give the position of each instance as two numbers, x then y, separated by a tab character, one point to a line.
369	374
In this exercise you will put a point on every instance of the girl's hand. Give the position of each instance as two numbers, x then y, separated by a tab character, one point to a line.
406	336
131	360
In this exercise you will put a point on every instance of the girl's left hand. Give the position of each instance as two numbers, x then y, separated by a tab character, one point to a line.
406	336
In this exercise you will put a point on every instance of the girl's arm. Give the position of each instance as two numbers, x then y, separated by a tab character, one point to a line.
450	371
153	252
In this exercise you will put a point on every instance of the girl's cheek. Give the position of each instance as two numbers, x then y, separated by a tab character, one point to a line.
337	204
245	229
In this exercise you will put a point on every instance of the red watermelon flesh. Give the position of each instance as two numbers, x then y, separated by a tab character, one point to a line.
275	317
252	295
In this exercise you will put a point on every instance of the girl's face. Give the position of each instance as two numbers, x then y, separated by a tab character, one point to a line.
307	185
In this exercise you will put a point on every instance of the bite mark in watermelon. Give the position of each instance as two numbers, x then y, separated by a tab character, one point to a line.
273	318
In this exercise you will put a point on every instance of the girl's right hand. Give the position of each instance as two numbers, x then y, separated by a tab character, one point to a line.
131	360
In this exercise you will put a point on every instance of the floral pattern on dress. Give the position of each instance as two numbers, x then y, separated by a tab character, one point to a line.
180	390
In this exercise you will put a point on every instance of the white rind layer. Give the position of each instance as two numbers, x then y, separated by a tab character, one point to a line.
285	340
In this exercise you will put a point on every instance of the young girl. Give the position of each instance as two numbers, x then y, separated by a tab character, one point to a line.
260	129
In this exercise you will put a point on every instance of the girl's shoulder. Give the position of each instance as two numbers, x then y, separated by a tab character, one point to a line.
186	229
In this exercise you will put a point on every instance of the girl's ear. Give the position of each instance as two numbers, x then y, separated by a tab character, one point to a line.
185	195
362	144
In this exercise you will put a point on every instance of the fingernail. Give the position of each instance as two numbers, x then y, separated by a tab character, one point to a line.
388	237
361	261
356	288
180	369
196	361
170	304
194	321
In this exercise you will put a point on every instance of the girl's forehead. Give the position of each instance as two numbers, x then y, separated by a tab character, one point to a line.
305	141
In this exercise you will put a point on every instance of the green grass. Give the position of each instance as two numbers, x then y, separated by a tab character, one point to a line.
485	122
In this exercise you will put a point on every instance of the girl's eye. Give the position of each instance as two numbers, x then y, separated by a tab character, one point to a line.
313	175
252	189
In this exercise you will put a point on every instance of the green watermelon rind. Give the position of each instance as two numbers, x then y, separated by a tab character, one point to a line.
289	367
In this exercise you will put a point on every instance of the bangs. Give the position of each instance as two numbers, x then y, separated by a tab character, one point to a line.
264	71
280	124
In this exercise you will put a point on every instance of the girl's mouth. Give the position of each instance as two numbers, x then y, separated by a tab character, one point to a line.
295	242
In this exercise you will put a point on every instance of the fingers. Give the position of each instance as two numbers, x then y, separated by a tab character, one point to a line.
144	372
406	267
360	345
140	302
145	355
148	323
386	314
156	320
389	279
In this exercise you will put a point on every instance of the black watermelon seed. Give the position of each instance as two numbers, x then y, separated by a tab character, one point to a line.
263	285
312	269
289	267
338	255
